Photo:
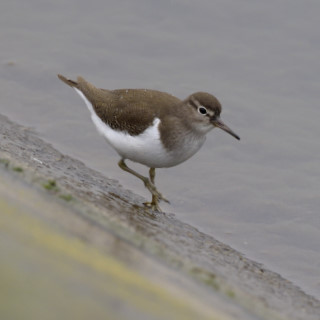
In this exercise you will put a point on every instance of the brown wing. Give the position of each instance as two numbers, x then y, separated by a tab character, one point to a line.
136	108
130	110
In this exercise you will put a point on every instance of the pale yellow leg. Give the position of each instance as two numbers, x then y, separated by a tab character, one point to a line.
155	201
149	184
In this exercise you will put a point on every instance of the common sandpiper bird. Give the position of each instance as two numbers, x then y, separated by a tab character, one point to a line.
151	127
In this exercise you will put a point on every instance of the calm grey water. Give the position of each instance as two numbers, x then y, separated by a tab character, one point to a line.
261	59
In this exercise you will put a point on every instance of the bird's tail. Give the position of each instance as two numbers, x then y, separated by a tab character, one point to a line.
69	82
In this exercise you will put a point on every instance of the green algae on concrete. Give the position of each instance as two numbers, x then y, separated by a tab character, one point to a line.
51	185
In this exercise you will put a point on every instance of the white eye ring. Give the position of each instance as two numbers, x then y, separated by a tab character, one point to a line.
202	110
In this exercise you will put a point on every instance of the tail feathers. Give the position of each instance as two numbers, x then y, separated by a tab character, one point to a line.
69	82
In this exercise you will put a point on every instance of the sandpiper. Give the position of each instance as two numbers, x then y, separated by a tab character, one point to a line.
151	127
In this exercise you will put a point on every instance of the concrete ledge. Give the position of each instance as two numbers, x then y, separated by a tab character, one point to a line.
76	244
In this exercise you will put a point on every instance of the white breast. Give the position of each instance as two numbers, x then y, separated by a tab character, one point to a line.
145	148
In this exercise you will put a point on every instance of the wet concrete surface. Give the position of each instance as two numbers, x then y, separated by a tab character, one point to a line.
67	228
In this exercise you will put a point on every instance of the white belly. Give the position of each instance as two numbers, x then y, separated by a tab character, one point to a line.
145	148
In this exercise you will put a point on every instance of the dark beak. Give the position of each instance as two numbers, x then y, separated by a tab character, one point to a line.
217	122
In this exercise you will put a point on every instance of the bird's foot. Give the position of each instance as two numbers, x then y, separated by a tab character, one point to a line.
154	206
155	193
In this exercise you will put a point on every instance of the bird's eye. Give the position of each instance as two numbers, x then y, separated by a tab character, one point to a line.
202	110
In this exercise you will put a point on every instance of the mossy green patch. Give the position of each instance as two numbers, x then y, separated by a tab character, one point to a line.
5	162
230	293
66	197
51	185
206	277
